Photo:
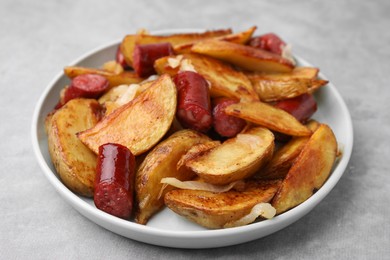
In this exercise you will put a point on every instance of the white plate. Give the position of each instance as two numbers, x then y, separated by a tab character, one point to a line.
167	228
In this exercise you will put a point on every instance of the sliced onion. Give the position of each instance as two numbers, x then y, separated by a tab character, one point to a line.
186	65
262	209
198	185
175	62
287	53
128	95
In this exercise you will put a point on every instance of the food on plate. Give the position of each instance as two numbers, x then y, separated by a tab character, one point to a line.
114	182
217	210
193	106
244	56
159	163
217	126
235	159
268	116
309	171
73	161
139	124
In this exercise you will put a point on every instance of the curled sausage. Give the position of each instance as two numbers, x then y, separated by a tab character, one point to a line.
269	42
84	86
301	107
114	182
145	55
225	125
193	106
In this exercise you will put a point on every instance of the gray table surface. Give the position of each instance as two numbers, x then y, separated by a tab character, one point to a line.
348	40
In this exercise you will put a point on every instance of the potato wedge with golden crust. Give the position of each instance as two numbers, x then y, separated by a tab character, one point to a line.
129	41
196	151
275	90
215	210
284	157
246	57
74	162
309	171
225	81
139	124
296	73
161	162
126	77
240	38
237	158
268	116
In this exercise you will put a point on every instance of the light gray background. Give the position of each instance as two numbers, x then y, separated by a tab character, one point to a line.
348	40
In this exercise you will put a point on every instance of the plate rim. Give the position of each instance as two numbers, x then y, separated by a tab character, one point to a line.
281	221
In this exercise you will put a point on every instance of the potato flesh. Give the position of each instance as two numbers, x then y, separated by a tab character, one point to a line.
162	162
74	162
235	159
214	210
268	116
309	171
139	124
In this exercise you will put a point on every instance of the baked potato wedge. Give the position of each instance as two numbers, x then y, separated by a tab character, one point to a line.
268	116
235	159
225	81
159	163
240	38
126	77
278	86
296	73
129	41
309	171
139	124
216	210
74	162
284	157
246	57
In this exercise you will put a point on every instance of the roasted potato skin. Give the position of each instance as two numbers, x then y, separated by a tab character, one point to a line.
162	162
74	162
283	158
214	210
235	159
309	171
139	124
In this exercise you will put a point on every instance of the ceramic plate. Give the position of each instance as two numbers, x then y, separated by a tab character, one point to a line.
167	228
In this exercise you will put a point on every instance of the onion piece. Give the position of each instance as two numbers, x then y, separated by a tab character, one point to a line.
262	209
199	185
287	53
